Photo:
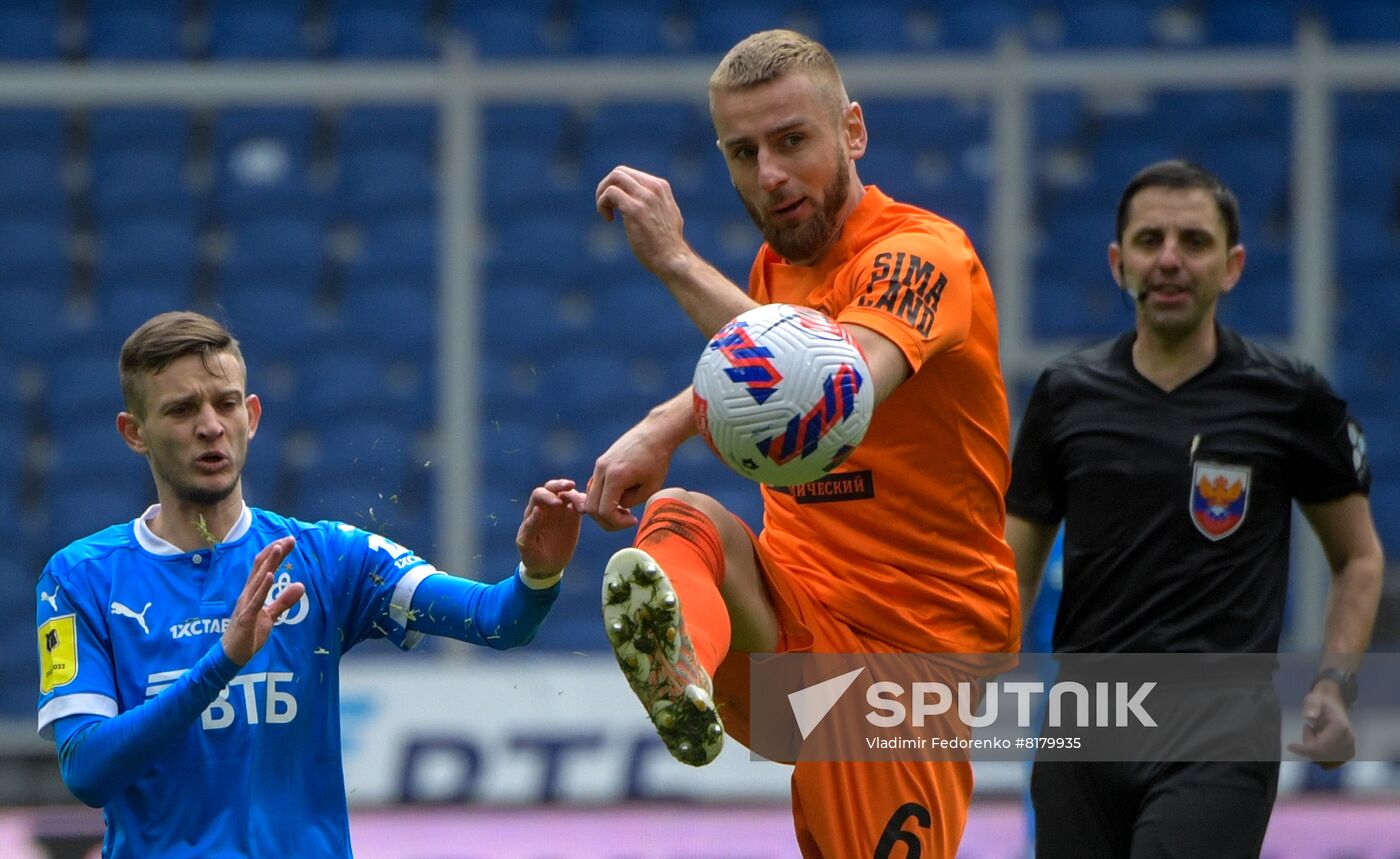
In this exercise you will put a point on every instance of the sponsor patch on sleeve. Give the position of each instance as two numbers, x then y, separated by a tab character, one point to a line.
58	653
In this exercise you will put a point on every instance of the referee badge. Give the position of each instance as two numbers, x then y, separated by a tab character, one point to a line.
1219	498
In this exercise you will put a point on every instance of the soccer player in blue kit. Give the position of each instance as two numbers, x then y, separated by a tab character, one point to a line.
189	658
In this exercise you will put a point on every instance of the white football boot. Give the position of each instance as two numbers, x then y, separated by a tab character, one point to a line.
642	617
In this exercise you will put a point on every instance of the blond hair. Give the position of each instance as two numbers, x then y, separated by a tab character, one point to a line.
162	339
770	54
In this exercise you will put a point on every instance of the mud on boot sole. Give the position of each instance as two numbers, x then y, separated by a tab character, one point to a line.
641	615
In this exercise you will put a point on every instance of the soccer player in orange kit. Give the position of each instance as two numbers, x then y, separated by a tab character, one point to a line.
901	550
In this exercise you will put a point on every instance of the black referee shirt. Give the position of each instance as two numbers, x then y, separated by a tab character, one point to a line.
1177	505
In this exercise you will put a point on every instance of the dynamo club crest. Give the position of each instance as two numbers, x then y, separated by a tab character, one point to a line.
1219	498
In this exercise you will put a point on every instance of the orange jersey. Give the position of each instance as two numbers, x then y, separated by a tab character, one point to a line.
903	542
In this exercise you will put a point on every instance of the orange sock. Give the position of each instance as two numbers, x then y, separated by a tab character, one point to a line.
686	544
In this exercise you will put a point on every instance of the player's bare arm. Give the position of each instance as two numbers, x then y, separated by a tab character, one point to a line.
1031	543
888	366
1354	553
548	531
634	467
655	230
252	621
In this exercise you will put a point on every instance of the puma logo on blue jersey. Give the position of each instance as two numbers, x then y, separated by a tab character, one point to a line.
122	611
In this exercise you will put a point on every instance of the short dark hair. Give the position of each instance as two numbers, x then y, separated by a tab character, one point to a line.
162	339
1183	175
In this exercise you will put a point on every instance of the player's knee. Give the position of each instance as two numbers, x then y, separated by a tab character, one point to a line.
699	500
731	533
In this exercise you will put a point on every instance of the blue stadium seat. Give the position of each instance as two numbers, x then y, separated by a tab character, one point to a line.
509	387
888	165
384	181
1110	25
81	385
916	122
542	126
35	320
1261	305
39	129
1058	117
600	157
391	320
631	28
139	183
12	404
509	450
719	25
337	385
86	449
1117	159
582	381
30	244
31	184
1369	113
1255	168
31	30
979	26
135	30
272	319
1362	20
19	669
879	27
507	197
495	30
349	499
377	454
412	129
162	129
1368	174
14	441
643	308
669	124
123	304
263	158
380	29
1078	308
258	30
1368	247
1249	22
281	250
399	249
74	511
155	247
1364	303
521	238
1184	117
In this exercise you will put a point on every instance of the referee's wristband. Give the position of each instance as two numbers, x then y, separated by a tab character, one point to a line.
535	584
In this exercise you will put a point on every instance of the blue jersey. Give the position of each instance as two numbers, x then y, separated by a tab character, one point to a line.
122	614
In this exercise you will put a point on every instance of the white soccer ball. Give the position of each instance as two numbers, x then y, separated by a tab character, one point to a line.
782	394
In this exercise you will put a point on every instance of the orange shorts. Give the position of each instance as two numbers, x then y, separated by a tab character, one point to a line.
853	809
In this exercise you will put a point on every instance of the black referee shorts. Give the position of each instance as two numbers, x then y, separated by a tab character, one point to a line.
1162	810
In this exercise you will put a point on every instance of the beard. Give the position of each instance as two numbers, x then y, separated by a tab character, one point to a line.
804	242
193	493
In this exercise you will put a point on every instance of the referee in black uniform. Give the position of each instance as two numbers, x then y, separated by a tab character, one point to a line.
1173	455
